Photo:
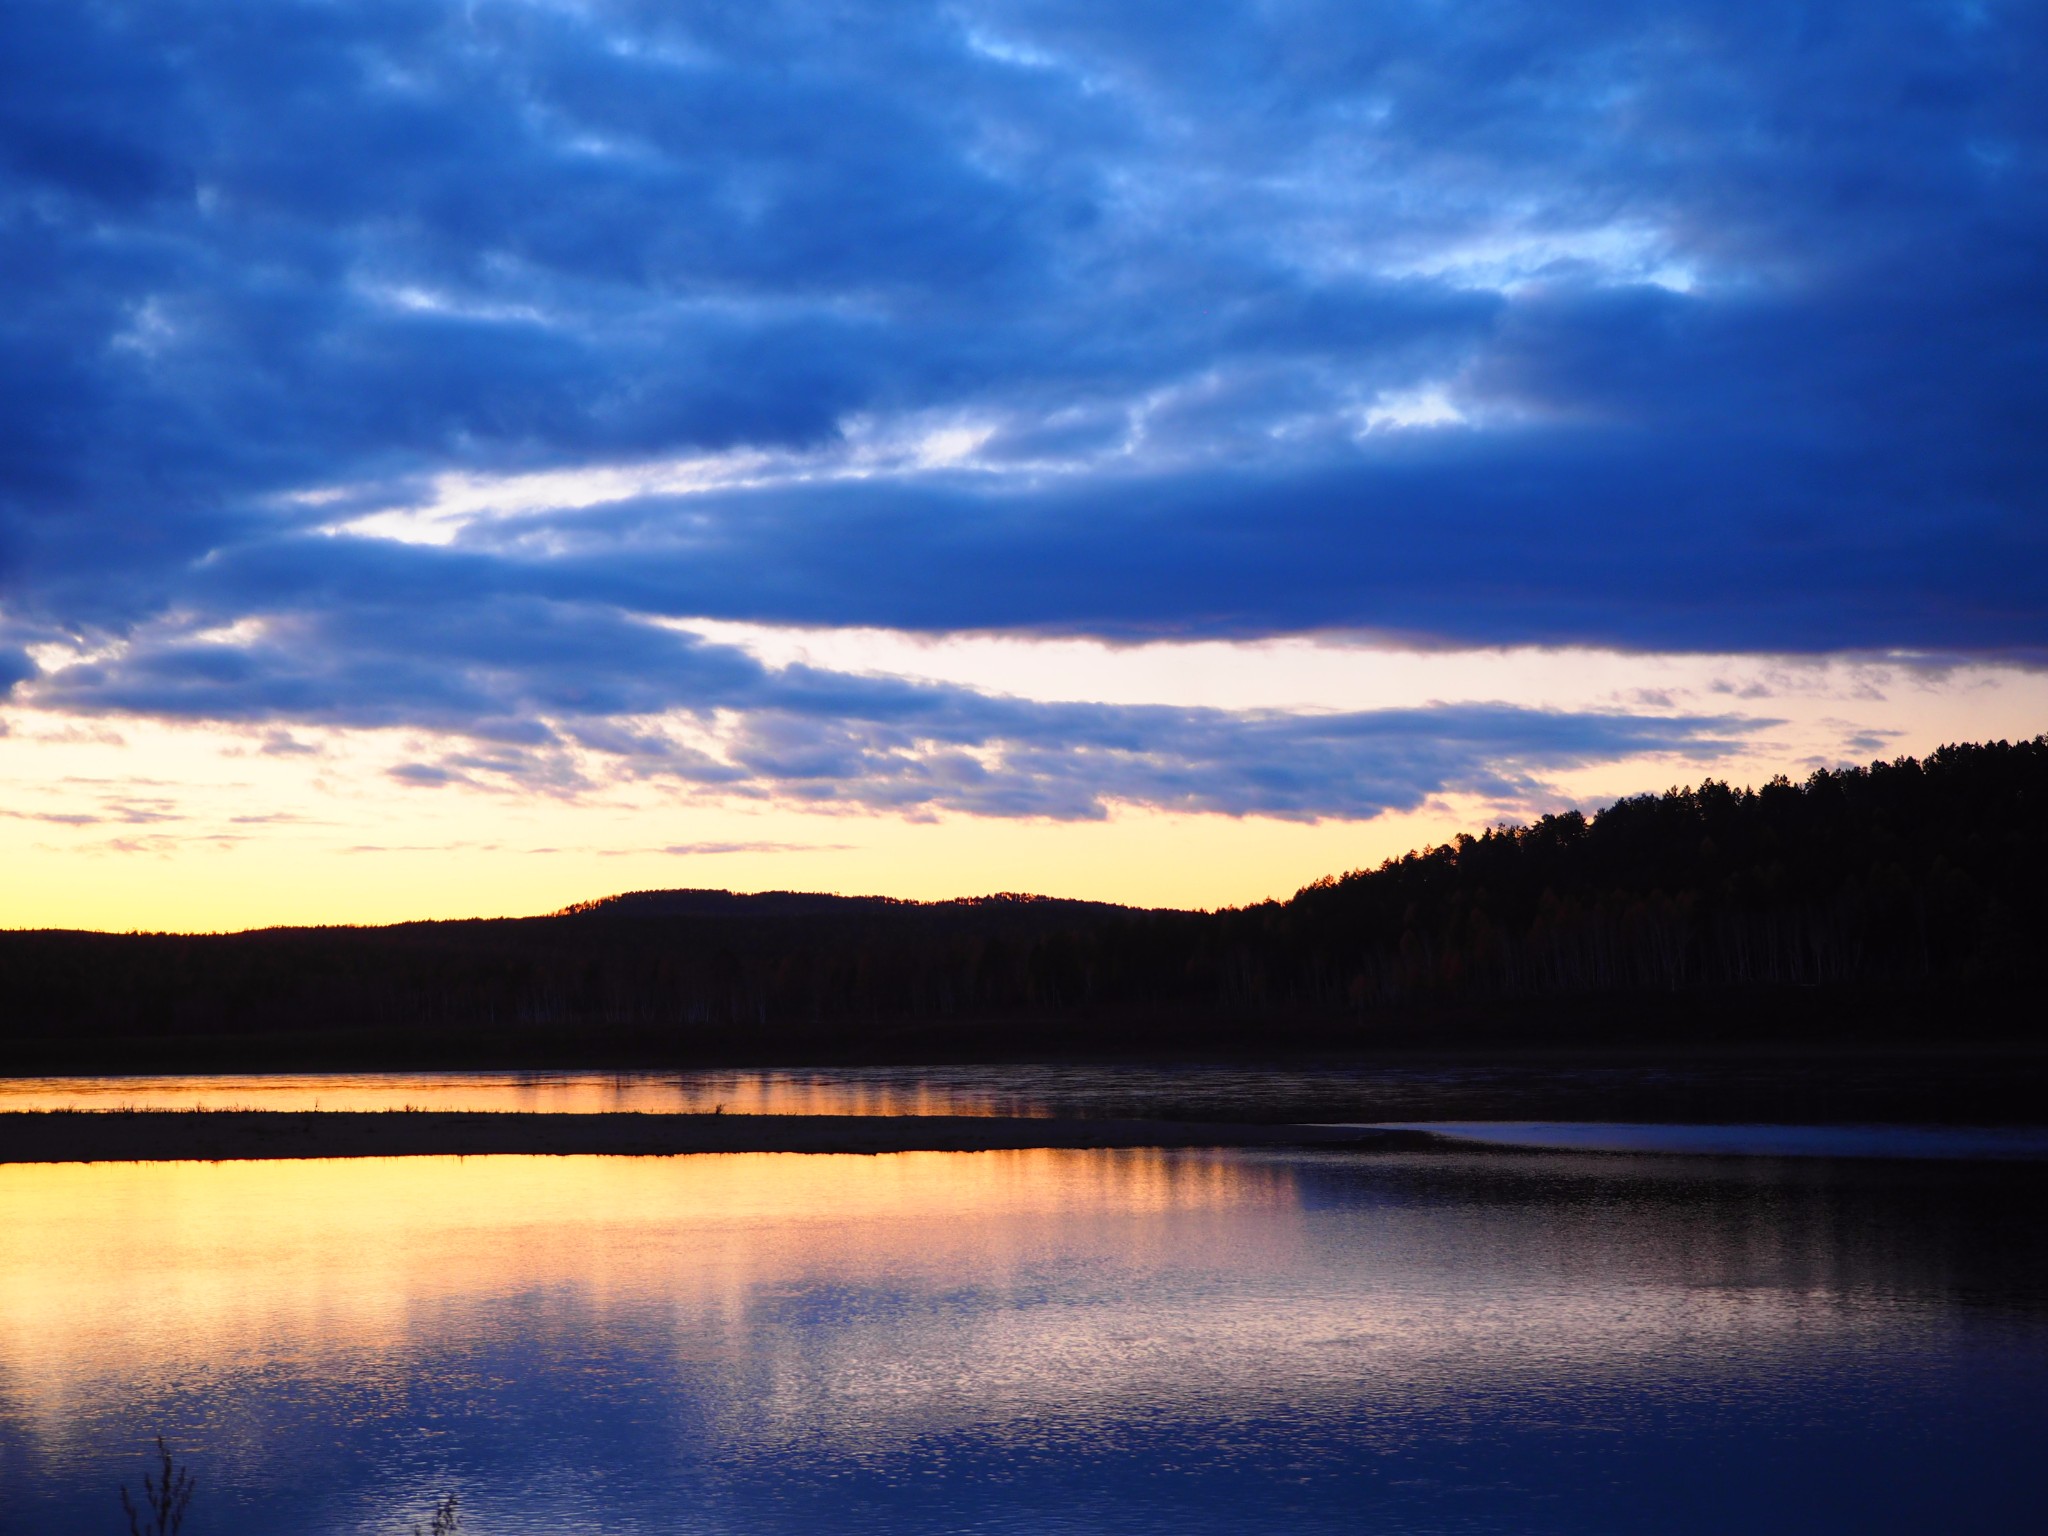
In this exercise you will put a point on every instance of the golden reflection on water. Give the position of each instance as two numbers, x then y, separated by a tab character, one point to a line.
148	1269
739	1093
781	1312
116	1277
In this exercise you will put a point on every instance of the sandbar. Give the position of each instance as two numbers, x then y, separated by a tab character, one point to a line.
84	1136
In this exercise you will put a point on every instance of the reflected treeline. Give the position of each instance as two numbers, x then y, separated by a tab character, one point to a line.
1905	898
1738	1228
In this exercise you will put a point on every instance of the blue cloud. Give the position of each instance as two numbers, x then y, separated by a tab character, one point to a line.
15	668
551	696
1696	326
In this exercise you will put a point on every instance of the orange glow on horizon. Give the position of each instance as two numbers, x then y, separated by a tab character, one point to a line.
144	824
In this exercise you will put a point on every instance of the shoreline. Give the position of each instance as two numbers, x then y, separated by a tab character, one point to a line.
206	1135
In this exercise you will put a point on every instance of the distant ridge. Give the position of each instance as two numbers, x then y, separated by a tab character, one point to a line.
717	903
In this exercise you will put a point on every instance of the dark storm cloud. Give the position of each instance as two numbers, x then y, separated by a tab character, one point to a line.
1584	538
1741	307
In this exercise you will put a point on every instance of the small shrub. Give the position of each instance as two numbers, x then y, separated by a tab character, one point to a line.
164	1497
445	1522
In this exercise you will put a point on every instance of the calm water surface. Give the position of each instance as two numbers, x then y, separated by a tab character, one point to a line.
1031	1342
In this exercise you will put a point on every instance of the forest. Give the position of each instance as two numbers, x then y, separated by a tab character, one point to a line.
1905	899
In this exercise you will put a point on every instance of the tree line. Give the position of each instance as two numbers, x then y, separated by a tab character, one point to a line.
1915	889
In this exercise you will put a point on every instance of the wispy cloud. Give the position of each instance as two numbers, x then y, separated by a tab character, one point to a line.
707	850
555	699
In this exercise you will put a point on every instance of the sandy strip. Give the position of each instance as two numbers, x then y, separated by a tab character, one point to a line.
67	1136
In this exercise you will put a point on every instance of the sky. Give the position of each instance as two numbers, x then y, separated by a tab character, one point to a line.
460	459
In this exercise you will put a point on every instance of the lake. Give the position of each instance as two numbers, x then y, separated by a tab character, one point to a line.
1464	1341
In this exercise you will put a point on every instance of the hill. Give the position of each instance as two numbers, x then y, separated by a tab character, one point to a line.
1902	900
